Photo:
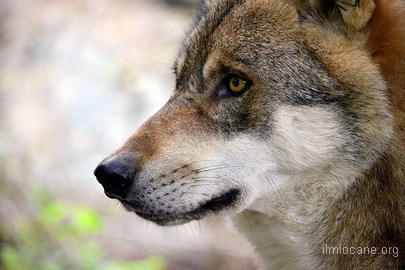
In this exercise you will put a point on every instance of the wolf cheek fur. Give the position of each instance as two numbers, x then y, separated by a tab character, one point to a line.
310	149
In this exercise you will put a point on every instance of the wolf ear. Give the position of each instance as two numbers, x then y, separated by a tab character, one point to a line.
208	4
353	14
203	6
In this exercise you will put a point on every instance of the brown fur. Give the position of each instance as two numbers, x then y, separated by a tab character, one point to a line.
386	43
374	212
155	136
349	54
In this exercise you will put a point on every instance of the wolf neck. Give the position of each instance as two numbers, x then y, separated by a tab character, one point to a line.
386	43
280	225
307	218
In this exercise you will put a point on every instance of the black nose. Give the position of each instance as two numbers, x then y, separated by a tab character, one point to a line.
116	176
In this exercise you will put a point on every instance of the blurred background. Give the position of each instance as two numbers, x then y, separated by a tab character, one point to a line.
77	78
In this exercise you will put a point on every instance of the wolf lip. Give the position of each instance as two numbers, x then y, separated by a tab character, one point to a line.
222	201
109	194
213	205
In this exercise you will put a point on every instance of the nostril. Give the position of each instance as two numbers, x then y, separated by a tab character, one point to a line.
118	181
116	177
99	172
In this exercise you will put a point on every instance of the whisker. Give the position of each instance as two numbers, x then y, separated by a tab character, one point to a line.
139	210
216	167
201	185
197	193
185	231
202	180
276	189
206	179
177	232
206	169
192	232
191	163
271	184
209	170
250	225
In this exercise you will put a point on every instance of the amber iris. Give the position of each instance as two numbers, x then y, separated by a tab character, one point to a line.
237	84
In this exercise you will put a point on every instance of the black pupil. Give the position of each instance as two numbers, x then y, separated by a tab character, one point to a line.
235	82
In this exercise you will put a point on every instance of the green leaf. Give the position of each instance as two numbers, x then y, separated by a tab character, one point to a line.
11	259
87	220
54	213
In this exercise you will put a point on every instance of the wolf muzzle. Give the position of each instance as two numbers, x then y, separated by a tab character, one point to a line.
116	176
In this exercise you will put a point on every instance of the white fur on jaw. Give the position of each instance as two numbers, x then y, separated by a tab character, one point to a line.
301	144
233	164
303	138
305	144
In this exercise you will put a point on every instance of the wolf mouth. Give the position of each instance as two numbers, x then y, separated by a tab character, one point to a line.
213	205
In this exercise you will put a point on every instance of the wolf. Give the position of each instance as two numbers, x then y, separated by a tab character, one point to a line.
288	116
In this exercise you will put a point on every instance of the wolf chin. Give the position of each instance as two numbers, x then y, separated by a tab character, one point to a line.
289	116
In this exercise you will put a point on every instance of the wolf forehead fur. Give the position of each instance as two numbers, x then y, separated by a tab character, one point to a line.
237	42
311	154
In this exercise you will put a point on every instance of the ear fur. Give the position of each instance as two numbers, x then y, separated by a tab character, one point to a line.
356	13
350	16
207	4
203	6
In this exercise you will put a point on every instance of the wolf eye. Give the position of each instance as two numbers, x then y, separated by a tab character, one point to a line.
237	85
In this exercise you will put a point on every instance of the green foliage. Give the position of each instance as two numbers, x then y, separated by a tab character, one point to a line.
66	221
86	220
60	236
11	258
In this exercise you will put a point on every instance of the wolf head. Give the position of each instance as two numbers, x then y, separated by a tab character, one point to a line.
271	96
